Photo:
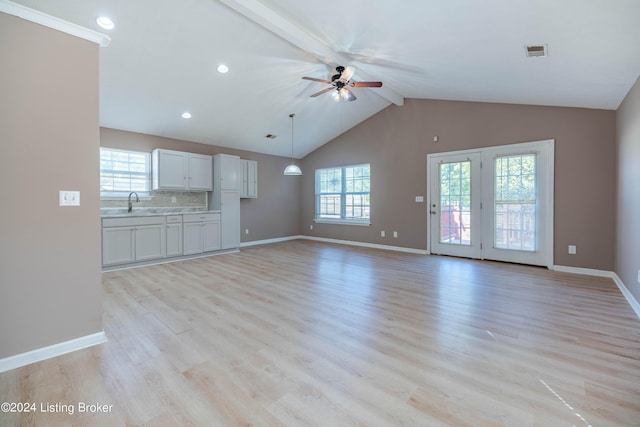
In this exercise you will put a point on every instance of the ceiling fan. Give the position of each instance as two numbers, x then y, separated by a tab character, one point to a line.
341	82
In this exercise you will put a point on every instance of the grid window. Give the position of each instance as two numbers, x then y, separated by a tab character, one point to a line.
455	203
123	171
343	194
515	202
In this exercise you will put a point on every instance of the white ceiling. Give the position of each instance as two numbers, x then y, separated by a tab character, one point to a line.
163	56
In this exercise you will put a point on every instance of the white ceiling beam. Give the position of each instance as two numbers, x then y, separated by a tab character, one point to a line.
28	14
298	36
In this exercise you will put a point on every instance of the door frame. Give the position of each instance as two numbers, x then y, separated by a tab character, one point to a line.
473	250
546	192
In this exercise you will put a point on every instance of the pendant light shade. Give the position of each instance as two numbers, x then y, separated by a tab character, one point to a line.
292	169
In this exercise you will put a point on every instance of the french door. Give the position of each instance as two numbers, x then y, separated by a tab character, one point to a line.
494	203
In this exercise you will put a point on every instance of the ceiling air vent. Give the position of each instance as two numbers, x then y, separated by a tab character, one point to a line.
536	51
270	136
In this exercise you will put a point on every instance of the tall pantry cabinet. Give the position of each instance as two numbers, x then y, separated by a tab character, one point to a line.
226	198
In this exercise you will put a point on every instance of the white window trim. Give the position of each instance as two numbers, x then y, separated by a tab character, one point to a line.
124	195
341	221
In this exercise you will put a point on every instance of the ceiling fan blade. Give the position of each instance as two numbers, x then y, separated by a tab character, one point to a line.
347	74
365	84
321	92
313	79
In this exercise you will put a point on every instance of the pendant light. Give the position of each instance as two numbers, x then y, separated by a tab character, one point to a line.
292	169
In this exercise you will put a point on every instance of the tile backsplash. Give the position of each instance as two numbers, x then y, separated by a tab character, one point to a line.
163	200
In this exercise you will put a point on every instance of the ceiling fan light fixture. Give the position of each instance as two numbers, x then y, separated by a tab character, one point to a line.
341	82
292	169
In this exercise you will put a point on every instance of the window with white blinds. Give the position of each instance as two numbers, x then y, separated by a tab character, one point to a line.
122	172
343	194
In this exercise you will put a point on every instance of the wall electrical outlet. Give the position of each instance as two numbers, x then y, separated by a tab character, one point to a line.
311	227
572	249
246	231
395	234
382	233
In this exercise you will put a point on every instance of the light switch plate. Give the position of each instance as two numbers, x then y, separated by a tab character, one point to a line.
69	198
419	199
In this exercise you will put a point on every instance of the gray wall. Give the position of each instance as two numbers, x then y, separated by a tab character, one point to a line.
628	196
396	142
276	211
50	288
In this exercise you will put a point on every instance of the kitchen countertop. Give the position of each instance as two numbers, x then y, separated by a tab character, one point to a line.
122	213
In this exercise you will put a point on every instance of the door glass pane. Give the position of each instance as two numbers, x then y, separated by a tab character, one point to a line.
455	202
515	202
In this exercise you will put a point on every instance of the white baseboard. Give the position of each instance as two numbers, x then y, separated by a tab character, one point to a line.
603	273
40	354
267	241
630	298
337	241
167	260
366	245
585	271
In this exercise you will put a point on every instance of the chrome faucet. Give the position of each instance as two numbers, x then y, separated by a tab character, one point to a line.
137	200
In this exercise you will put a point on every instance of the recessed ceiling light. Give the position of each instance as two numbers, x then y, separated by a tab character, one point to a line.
186	115
222	68
105	23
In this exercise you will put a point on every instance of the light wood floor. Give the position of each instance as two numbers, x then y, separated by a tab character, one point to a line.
305	333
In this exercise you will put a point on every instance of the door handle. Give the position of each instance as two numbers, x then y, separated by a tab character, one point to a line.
433	212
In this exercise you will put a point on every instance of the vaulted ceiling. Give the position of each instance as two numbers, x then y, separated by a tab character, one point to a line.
163	56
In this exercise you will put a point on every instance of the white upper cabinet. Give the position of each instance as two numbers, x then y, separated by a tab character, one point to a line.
200	172
249	175
226	172
177	170
169	170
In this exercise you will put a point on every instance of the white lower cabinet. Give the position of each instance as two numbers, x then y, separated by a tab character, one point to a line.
149	242
117	245
201	233
230	207
132	239
174	235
